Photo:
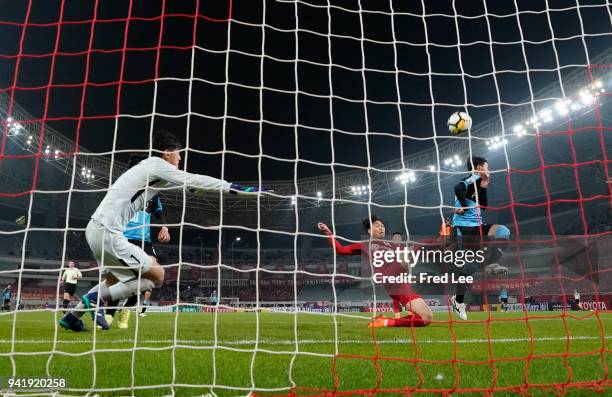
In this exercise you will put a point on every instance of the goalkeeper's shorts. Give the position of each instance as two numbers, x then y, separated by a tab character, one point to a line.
115	254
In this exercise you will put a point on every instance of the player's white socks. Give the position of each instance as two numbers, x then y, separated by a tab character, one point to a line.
121	290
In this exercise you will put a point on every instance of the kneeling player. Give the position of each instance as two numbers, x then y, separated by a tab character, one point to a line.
401	292
129	268
468	228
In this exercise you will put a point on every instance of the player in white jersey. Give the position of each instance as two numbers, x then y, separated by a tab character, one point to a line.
129	270
70	278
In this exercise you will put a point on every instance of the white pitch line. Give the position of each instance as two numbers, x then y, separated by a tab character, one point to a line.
304	341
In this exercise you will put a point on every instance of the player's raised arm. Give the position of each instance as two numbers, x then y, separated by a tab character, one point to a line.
159	212
461	194
352	249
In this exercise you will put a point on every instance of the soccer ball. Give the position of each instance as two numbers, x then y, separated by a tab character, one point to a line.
459	122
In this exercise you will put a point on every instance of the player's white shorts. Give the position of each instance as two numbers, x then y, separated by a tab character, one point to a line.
115	254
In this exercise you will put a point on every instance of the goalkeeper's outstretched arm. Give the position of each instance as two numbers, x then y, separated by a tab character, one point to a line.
164	166
161	169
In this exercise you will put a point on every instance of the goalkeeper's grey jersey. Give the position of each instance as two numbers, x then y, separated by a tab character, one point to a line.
139	184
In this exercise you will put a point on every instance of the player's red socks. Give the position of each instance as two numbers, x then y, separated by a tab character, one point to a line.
412	320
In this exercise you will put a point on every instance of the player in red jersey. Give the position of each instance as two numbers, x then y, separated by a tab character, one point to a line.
397	306
402	292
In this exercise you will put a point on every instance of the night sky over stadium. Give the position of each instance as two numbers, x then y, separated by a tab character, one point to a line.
435	66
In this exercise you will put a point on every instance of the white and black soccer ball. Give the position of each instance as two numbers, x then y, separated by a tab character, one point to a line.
459	122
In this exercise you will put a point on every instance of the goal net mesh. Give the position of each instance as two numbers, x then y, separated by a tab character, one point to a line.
340	107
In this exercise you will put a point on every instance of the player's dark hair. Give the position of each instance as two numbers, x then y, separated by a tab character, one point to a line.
394	233
368	222
136	158
476	161
165	140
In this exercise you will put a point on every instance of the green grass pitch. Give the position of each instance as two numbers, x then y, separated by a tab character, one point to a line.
186	354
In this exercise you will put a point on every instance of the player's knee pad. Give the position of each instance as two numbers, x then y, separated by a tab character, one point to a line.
502	232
